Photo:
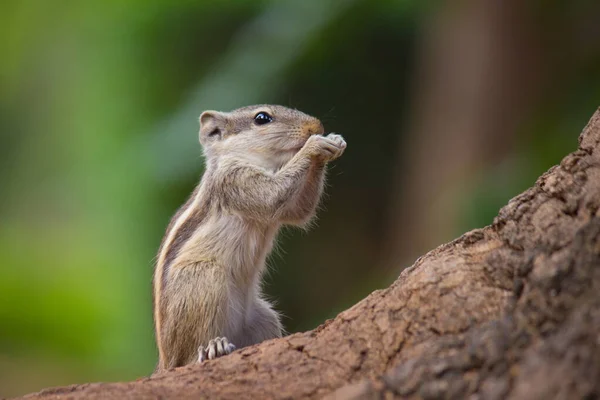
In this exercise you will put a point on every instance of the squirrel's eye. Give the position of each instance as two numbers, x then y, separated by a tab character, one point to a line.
262	118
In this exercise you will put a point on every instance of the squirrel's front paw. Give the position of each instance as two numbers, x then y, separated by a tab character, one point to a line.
216	348
327	147
339	142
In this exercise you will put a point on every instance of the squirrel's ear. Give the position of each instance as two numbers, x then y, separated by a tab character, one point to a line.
212	124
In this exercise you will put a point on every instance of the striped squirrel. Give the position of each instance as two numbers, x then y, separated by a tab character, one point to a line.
264	167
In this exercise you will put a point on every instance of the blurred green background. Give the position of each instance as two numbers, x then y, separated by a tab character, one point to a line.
449	110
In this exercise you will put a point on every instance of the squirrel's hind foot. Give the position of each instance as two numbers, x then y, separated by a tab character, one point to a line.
217	347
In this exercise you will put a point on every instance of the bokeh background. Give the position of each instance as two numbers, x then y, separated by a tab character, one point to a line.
449	110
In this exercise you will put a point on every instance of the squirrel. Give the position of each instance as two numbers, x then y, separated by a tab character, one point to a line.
264	168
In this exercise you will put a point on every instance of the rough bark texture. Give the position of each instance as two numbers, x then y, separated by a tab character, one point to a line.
508	311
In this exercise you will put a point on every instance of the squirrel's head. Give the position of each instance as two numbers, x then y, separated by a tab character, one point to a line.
267	133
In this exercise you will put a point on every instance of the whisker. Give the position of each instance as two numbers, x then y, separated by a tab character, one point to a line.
329	115
279	132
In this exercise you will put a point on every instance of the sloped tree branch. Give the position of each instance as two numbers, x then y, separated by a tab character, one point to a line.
510	310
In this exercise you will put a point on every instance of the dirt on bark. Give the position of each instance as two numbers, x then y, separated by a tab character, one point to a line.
508	311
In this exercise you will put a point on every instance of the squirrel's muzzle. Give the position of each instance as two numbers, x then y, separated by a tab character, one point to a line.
314	128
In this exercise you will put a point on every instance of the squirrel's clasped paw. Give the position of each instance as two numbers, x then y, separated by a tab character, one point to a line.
216	348
328	147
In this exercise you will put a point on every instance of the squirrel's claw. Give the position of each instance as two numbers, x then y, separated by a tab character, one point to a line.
217	347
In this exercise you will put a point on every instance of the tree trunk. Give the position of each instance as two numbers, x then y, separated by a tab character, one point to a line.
508	311
473	89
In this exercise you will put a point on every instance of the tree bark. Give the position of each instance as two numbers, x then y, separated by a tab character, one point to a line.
508	311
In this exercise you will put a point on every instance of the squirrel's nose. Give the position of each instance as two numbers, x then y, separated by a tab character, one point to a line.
315	128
